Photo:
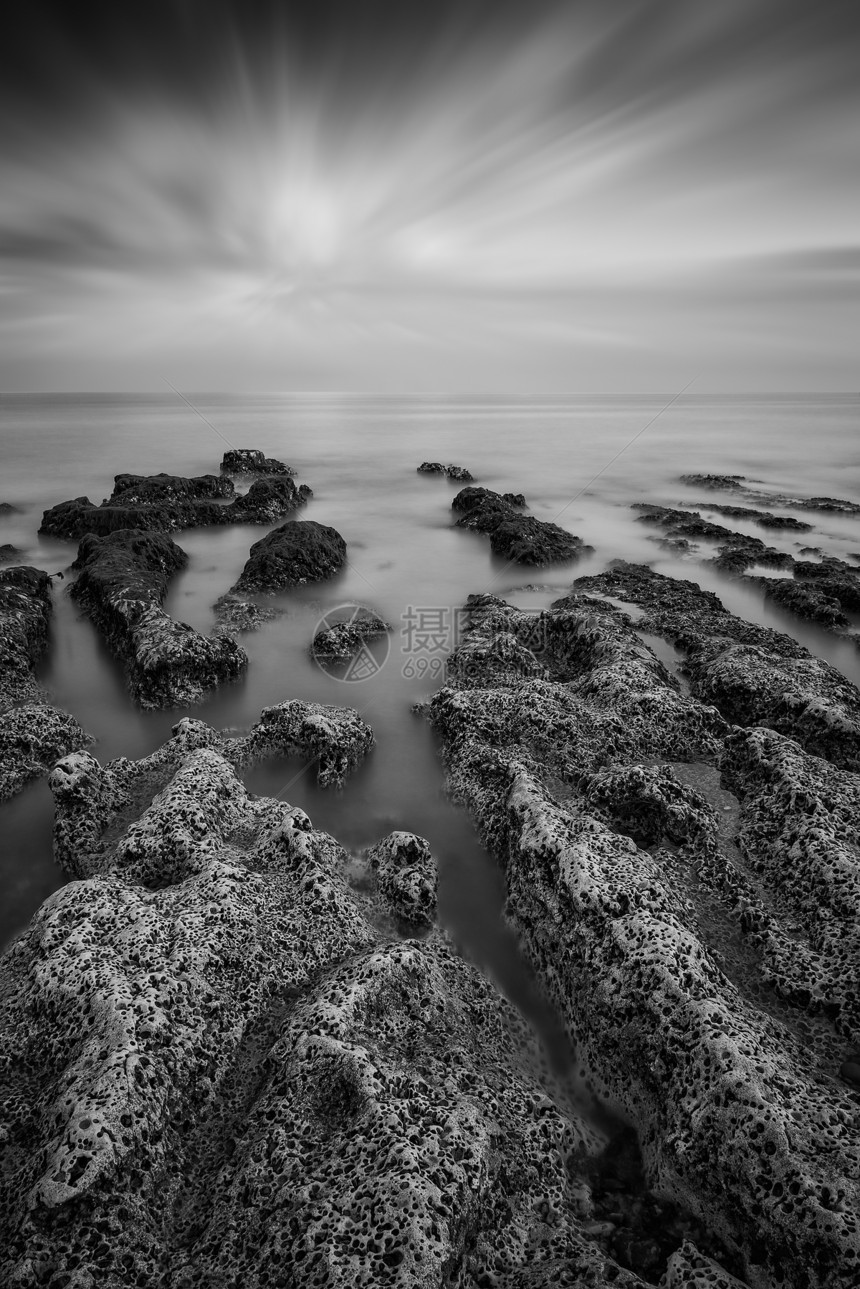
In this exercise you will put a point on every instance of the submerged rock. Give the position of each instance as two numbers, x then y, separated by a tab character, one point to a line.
688	982
517	537
764	518
8	553
33	734
740	483
335	739
251	461
122	584
295	553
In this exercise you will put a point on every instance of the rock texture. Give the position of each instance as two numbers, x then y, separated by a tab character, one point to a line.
252	461
406	873
122	584
161	503
698	935
458	472
517	537
343	640
33	734
739	483
216	1069
292	555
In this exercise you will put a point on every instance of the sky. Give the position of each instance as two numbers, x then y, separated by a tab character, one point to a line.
611	196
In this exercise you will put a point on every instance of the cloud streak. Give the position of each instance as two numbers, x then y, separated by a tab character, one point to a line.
584	199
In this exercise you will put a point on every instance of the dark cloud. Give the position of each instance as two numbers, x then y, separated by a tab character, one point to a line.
504	184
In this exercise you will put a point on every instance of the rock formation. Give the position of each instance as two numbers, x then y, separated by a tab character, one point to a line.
517	537
122	584
33	734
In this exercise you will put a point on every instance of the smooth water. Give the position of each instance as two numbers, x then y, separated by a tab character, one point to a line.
580	463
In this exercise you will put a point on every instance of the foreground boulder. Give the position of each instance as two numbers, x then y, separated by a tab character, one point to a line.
122	584
292	555
217	1069
697	936
517	537
33	734
162	503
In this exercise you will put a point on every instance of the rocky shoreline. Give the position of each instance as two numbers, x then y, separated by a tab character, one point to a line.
233	1053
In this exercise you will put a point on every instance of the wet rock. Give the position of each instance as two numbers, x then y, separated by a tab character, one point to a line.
803	600
336	739
343	640
407	877
457	472
517	537
752	674
9	553
737	551
739	483
292	555
33	734
122	584
162	503
234	614
607	856
764	518
252	461
215	1069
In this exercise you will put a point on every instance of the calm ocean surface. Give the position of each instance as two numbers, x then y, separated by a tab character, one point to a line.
359	455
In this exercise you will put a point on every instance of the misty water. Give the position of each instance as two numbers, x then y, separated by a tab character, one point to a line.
580	463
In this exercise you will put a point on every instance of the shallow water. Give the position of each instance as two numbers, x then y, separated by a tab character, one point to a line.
580	463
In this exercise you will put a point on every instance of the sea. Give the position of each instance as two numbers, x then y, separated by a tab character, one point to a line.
580	462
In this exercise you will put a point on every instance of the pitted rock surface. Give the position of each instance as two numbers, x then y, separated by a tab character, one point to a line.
753	675
629	897
33	734
407	876
215	1071
122	583
336	739
517	537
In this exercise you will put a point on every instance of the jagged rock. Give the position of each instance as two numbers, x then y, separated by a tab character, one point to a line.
515	536
252	461
215	1071
335	738
295	553
122	583
752	674
161	503
33	734
407	877
343	640
737	551
457	472
8	553
631	901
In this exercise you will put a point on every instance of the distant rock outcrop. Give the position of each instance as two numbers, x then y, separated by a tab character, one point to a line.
457	472
161	503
